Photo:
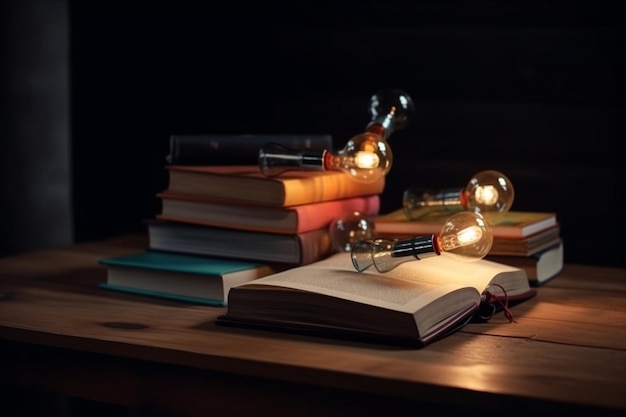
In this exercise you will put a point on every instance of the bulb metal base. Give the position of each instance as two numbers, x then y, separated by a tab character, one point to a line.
274	159
418	202
419	247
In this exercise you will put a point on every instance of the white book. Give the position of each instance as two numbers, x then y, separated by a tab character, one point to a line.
416	302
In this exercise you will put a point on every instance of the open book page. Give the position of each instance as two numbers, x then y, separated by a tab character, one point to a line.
392	303
417	299
478	274
404	289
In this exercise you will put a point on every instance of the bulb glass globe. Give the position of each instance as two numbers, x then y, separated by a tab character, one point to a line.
489	191
366	157
392	109
349	229
467	236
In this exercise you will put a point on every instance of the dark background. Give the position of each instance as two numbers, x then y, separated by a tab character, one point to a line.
533	89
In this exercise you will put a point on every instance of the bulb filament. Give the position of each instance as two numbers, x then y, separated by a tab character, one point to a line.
366	160
464	237
486	195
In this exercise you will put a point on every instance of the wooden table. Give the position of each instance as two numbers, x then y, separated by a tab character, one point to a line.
59	332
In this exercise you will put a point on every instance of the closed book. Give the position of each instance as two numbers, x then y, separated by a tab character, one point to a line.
196	279
190	208
539	267
297	249
528	245
236	149
246	183
511	224
415	304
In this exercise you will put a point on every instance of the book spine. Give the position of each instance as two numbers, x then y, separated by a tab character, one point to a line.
317	216
235	149
314	246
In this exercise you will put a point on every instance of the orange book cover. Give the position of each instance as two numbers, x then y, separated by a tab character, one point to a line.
246	183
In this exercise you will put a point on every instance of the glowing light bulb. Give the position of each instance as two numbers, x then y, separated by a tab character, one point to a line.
466	236
486	192
366	156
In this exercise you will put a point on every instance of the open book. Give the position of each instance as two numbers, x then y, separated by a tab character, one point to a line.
416	303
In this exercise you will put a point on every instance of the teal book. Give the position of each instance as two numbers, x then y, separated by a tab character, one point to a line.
194	279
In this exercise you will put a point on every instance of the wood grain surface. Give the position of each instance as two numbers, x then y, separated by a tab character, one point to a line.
566	351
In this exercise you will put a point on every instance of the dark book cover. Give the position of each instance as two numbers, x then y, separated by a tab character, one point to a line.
236	149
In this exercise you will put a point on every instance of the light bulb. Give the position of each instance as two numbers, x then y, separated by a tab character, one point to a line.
366	157
465	235
486	192
349	229
391	110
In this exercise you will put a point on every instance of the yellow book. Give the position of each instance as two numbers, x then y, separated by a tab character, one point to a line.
511	225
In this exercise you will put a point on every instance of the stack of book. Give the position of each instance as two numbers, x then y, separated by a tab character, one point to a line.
234	211
524	239
221	225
